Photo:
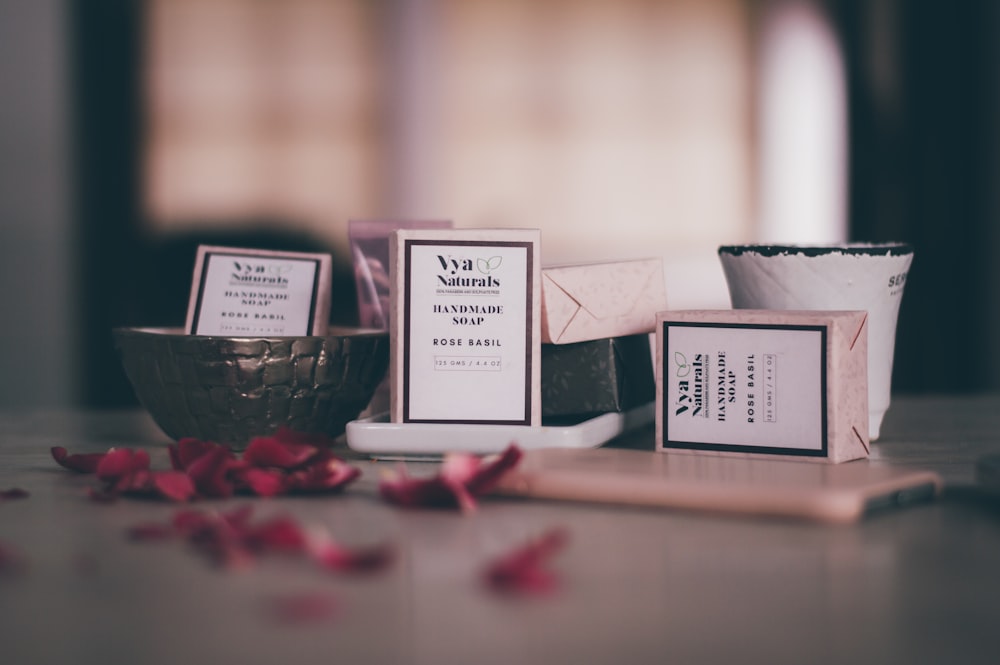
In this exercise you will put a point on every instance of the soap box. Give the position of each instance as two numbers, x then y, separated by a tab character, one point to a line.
763	383
259	293
464	326
600	300
600	376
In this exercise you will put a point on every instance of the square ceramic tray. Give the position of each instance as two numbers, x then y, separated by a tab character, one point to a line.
377	436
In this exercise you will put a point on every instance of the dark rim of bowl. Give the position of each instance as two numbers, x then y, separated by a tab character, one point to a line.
850	248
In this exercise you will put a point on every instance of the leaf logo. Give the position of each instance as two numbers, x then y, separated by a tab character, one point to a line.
683	368
280	269
486	266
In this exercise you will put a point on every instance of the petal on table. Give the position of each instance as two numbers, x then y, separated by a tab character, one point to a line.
323	475
81	462
210	472
120	462
273	451
523	570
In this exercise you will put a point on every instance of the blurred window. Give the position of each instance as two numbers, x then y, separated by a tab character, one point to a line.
619	127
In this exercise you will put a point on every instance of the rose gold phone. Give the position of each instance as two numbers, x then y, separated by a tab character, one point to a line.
822	492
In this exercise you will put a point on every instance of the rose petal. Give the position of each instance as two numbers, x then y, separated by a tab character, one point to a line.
403	490
262	482
187	522
277	534
173	485
325	475
13	494
209	472
81	463
188	450
222	544
460	467
488	475
461	479
302	607
120	462
278	453
523	571
333	556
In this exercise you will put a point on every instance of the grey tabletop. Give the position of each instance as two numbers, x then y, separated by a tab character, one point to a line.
638	585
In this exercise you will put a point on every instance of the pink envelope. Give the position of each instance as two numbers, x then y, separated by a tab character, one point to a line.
598	300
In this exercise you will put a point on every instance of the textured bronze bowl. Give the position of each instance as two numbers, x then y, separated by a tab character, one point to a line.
231	389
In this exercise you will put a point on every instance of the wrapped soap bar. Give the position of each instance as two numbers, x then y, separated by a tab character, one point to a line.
786	384
600	300
600	376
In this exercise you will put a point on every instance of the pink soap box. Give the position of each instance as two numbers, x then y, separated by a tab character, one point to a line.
591	301
763	383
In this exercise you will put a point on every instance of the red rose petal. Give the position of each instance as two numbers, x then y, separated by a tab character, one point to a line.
403	490
460	467
326	475
302	607
173	485
13	494
239	517
121	462
279	534
210	472
523	571
333	556
188	450
81	463
262	482
277	453
487	476
461	479
188	522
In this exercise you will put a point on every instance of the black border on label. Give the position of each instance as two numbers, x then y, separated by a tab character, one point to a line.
667	444
408	243
203	276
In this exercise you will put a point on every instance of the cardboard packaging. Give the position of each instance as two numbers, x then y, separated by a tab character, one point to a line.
600	300
763	383
600	376
465	326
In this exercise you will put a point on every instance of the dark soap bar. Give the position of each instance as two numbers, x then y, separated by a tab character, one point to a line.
597	376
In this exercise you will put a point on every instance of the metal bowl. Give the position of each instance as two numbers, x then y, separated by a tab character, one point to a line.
231	389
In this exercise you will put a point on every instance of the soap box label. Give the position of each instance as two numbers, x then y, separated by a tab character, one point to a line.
245	292
741	387
467	338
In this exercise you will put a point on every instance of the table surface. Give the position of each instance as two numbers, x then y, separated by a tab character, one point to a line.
638	585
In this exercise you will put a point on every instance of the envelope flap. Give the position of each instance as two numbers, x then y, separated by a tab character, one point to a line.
560	308
608	290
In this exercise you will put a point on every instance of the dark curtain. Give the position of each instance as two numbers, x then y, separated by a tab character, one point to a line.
106	52
922	83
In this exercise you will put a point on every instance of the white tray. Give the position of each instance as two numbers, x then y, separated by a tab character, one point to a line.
376	435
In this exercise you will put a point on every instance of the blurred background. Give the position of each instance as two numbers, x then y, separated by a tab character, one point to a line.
133	130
